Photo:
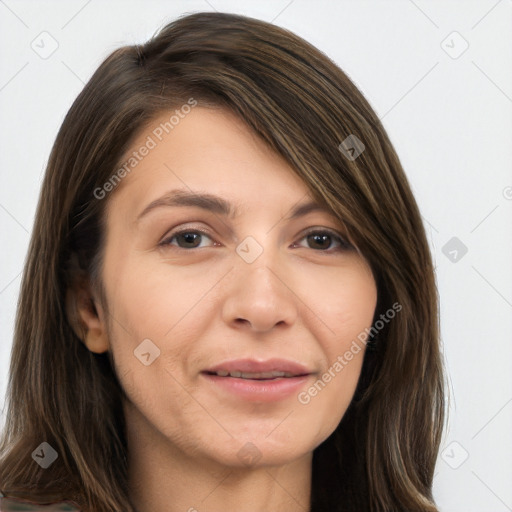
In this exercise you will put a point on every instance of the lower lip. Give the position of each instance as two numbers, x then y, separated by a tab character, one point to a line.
269	390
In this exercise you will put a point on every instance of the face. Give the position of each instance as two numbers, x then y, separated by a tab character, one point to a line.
195	291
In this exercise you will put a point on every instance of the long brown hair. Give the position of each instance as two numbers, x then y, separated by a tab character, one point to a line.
381	457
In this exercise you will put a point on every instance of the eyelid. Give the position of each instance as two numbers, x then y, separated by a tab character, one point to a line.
186	229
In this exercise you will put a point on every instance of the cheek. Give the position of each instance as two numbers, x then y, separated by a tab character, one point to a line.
345	303
352	295
157	316
151	300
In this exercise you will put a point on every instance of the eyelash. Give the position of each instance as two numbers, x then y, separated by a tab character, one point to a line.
343	244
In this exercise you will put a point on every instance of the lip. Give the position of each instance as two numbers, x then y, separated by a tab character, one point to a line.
254	366
259	390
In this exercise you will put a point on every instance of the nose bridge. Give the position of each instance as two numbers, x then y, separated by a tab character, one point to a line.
256	265
259	294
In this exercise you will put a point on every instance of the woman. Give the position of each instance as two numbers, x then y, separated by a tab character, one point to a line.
229	299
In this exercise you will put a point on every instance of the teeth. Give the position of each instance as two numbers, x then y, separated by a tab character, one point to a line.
247	375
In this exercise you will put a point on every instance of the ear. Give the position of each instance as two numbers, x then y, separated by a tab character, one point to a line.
86	318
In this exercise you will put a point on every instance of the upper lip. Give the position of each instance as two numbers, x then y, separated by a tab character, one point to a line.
254	366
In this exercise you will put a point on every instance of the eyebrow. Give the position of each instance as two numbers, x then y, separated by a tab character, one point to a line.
217	204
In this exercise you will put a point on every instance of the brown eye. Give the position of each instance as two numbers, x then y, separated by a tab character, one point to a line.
187	239
319	241
322	240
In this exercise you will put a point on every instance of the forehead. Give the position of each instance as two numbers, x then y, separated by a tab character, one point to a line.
207	151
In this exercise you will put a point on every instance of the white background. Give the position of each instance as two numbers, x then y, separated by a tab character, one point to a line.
448	115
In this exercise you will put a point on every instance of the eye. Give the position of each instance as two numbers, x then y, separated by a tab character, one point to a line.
323	240
186	239
319	239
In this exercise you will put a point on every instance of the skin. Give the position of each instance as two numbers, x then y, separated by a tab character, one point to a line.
301	299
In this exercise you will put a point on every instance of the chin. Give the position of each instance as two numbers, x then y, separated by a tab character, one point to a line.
253	452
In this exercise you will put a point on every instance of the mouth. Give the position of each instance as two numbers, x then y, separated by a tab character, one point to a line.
258	381
252	369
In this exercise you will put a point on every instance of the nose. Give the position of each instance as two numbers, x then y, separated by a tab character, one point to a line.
260	296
